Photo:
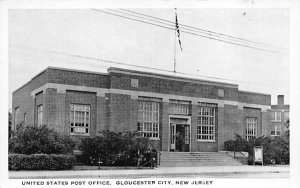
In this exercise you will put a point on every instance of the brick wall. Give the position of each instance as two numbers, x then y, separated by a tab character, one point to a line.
232	122
221	128
164	132
101	113
195	112
254	98
78	78
22	98
50	108
119	106
133	114
159	85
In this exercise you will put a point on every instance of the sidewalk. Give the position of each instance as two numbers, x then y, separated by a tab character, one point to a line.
144	173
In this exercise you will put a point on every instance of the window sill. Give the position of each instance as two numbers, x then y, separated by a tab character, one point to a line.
276	121
210	141
78	134
154	138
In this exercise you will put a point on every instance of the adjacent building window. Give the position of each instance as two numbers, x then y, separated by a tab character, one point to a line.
17	111
276	131
206	122
148	118
276	116
286	115
80	119
180	107
39	115
251	128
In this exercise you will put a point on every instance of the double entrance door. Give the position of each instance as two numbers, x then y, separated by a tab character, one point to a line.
180	137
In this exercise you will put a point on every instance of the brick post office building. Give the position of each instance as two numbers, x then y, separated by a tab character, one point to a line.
199	114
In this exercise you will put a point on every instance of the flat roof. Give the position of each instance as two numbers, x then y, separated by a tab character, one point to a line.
242	91
144	73
165	76
59	68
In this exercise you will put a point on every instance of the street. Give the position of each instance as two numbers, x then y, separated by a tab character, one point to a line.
162	172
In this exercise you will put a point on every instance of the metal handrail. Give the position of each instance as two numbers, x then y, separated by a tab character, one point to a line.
234	153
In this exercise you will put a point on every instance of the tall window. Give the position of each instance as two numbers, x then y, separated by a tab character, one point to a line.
148	118
39	115
206	121
251	128
276	116
180	107
80	119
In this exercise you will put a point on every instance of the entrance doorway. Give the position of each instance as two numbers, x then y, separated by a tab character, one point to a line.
179	135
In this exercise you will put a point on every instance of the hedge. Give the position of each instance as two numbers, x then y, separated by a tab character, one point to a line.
32	140
40	162
113	149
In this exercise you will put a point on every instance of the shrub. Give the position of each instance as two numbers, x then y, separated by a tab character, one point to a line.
32	140
112	148
275	150
239	144
40	162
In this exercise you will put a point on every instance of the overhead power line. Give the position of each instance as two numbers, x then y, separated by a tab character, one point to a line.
184	31
211	34
203	30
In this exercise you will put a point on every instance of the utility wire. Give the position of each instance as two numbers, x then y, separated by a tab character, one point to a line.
138	66
192	33
181	28
203	30
189	28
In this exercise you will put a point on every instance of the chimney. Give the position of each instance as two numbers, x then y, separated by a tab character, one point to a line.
280	100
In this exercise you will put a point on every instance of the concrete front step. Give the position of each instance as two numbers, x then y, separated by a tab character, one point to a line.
197	159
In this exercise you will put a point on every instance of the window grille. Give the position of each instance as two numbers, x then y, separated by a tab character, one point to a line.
251	128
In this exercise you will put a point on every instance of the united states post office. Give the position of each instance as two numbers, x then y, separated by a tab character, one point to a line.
199	114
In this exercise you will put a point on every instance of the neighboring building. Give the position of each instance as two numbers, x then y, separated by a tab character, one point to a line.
176	113
279	117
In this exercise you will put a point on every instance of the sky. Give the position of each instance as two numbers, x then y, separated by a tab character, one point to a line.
41	38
